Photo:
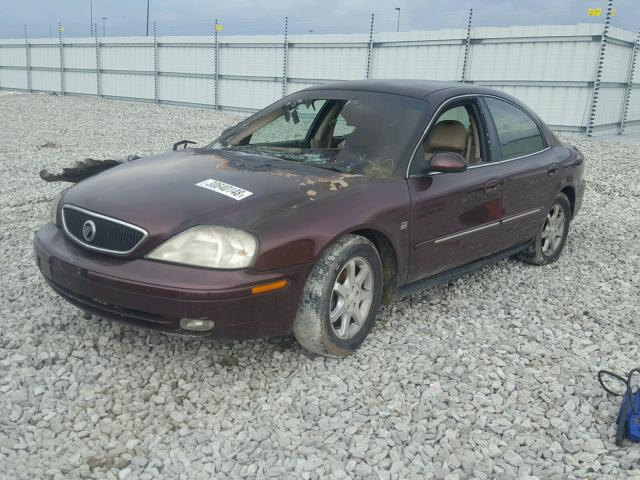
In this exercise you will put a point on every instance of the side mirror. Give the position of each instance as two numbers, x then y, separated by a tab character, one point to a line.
447	162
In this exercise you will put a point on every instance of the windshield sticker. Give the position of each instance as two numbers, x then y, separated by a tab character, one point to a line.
231	191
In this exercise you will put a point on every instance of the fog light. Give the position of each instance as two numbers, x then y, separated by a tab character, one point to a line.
196	324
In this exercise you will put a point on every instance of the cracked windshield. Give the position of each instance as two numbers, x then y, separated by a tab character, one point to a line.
363	135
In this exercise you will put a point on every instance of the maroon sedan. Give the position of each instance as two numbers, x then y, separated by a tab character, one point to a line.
307	215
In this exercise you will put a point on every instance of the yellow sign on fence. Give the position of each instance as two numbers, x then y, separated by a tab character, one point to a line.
61	29
596	12
218	27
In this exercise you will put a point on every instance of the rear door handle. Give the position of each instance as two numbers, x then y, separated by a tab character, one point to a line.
553	169
493	186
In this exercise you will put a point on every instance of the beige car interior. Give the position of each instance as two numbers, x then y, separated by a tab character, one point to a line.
450	134
324	134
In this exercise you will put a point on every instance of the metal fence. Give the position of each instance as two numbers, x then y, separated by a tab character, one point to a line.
577	77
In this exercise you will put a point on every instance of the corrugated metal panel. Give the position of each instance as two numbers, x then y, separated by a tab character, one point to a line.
248	93
45	56
185	89
330	39
79	57
126	58
326	62
621	34
616	63
556	105
634	106
293	87
45	80
185	59
80	82
547	61
538	31
434	62
127	85
609	105
446	34
254	61
13	56
550	67
10	78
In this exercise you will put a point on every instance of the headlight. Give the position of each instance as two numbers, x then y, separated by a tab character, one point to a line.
53	211
209	246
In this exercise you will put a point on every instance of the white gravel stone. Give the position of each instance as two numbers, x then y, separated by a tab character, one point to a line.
491	376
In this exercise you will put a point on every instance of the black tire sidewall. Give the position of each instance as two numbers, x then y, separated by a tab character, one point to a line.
369	253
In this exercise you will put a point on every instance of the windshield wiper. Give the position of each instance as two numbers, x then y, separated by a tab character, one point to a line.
302	158
324	166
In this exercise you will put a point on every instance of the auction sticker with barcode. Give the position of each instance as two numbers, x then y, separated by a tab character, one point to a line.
231	191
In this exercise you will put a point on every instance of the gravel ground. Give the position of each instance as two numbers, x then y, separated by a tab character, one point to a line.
491	376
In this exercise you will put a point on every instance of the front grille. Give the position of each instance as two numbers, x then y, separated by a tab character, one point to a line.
104	234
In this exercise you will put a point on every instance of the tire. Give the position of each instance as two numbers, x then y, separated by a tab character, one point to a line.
351	260
549	242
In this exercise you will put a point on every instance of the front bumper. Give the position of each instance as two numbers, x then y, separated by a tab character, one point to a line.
157	295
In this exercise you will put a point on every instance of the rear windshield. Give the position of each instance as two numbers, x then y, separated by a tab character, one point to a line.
366	134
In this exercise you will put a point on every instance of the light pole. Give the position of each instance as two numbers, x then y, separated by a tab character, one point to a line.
147	18
398	26
91	10
104	30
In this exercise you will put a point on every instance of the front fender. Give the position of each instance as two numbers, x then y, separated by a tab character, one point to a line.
300	235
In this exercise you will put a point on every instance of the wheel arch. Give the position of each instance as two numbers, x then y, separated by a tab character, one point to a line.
570	192
388	258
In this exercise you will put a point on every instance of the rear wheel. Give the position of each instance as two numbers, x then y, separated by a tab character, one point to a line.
548	243
341	298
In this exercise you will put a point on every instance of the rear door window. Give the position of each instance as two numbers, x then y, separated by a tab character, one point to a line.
518	134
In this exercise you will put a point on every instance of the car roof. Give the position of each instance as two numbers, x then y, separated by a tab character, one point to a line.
409	88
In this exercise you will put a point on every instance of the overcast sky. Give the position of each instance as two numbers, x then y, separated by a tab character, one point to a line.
196	17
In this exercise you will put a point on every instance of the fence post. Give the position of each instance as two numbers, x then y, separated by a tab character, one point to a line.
285	54
598	79
61	57
467	48
215	65
155	63
27	58
629	88
98	92
370	48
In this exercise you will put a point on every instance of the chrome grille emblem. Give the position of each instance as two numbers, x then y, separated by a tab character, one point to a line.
89	230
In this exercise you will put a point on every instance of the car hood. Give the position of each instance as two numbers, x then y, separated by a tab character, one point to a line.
161	195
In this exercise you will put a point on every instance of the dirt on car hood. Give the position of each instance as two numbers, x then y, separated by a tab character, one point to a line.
175	190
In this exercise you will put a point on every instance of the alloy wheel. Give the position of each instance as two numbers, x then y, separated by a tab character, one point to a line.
553	230
351	298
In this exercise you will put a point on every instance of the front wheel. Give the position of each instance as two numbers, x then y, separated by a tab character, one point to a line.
341	298
552	235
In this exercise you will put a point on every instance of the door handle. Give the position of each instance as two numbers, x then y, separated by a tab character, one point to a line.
553	169
493	186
